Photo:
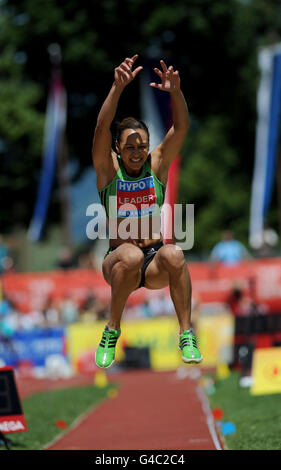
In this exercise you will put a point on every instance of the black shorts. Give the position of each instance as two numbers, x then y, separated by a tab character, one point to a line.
149	252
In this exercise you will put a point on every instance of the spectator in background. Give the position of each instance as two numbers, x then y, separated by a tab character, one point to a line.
65	258
8	321
93	308
268	247
229	251
3	252
69	310
241	303
51	312
157	305
236	301
8	265
87	259
145	309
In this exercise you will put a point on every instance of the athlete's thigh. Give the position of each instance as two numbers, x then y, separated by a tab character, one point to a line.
155	276
121	252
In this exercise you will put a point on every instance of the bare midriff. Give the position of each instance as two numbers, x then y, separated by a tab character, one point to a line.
143	235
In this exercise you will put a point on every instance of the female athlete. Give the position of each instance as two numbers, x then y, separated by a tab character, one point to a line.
135	179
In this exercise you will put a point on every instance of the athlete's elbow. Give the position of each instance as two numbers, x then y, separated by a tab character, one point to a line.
182	125
182	128
99	126
103	123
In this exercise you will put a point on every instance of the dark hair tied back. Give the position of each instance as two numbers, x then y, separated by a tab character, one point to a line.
129	123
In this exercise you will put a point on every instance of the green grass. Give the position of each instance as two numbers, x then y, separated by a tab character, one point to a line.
257	418
42	410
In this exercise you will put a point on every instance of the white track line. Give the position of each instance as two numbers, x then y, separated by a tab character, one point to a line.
72	426
210	421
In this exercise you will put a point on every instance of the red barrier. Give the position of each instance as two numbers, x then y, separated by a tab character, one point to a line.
261	279
258	279
32	291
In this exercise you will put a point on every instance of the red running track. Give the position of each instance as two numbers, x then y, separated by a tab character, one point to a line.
152	411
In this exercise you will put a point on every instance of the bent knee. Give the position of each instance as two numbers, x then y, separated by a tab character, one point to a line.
131	257
172	258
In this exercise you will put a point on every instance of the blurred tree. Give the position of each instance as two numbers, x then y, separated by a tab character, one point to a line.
214	45
20	131
209	179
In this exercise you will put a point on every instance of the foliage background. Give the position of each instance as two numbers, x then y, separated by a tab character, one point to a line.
213	43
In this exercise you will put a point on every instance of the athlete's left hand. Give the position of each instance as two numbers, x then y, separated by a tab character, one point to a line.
170	79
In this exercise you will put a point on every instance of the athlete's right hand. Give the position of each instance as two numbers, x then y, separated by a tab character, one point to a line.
124	74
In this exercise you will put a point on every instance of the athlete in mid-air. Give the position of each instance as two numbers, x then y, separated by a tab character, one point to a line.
135	180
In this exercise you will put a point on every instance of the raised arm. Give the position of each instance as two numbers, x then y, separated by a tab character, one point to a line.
101	151
172	143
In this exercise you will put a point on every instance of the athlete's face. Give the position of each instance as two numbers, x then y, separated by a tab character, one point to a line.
133	148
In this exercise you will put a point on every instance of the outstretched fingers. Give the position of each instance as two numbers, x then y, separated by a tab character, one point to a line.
124	66
160	74
137	70
169	78
130	62
155	85
134	58
163	65
124	72
121	74
156	70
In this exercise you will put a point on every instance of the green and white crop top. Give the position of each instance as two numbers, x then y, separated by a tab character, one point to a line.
128	196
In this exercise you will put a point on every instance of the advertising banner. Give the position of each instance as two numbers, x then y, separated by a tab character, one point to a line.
216	338
266	371
160	335
211	282
33	346
12	418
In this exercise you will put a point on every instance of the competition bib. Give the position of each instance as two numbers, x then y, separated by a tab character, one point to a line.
136	198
